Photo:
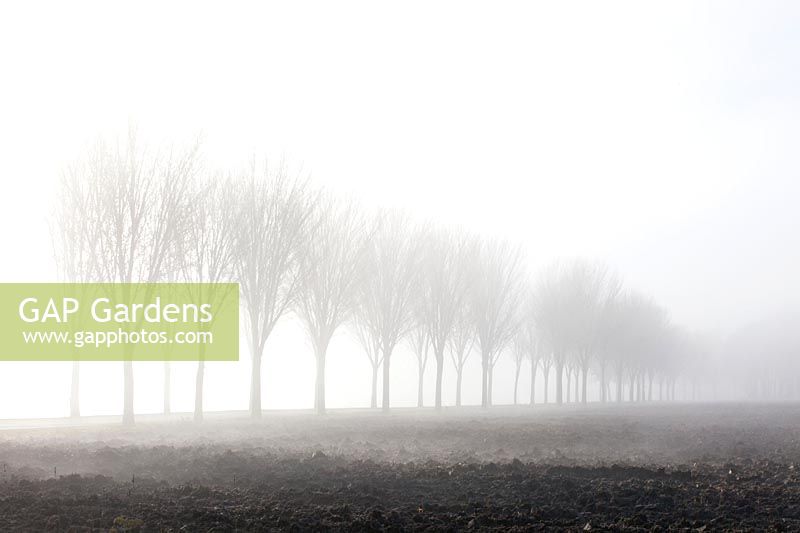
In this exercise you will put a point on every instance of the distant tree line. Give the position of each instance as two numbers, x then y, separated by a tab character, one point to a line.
129	213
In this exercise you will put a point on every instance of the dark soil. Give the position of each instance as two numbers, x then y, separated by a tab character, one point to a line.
706	467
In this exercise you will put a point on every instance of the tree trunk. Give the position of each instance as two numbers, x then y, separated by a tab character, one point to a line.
127	409
374	399
489	384
419	385
576	385
74	391
439	370
167	388
603	396
630	392
255	375
319	389
650	390
559	381
484	380
255	387
569	385
546	373
533	382
459	373
516	383
387	358
583	387
198	391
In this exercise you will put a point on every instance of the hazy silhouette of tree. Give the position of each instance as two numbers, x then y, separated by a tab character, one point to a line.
635	327
461	342
552	319
206	253
569	302
369	341
611	319
525	344
333	260
495	295
520	354
545	361
418	339
274	217
385	300
75	227
141	199
591	288
443	292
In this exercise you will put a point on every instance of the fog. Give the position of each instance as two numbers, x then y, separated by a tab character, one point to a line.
657	140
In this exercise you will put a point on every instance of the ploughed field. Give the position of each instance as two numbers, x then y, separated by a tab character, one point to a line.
718	467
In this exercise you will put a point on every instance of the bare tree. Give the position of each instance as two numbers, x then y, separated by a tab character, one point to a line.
443	292
141	199
546	362
553	321
274	217
525	345
333	260
370	340
495	293
633	333
654	341
75	232
568	371
520	353
534	359
460	344
384	306
172	271
206	253
591	288
571	298
610	331
418	338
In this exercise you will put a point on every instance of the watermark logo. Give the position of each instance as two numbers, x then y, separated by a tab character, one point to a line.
119	321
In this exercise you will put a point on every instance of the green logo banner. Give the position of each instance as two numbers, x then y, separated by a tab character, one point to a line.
119	321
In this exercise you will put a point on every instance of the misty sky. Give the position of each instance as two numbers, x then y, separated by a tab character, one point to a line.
660	137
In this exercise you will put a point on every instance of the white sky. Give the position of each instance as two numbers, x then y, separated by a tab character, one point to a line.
660	137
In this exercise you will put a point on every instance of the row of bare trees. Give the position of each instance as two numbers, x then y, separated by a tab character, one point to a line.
127	213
